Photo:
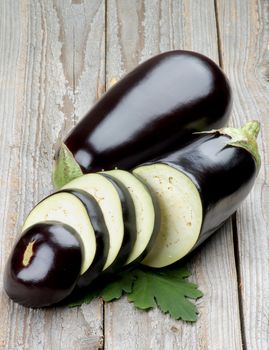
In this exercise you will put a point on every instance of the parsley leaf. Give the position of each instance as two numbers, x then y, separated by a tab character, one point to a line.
114	290
167	288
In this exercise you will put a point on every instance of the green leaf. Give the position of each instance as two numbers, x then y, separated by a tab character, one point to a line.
167	289
116	289
65	169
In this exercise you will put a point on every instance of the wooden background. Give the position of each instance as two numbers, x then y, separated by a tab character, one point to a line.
56	59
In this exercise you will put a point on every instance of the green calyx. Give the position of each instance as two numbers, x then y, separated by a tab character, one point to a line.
244	137
65	168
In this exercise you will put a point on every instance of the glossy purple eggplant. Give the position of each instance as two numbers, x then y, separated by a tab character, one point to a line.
44	265
223	172
212	176
151	110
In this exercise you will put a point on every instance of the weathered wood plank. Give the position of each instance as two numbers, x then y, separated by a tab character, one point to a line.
136	30
244	34
51	70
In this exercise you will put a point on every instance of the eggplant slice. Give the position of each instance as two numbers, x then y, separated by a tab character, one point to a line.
67	209
119	215
146	212
44	265
181	213
101	234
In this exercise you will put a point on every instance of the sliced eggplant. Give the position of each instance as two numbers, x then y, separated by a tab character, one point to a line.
119	217
146	212
101	234
67	209
199	187
129	219
181	213
44	265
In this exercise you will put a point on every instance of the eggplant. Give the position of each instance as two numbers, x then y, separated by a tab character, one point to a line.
150	111
194	190
147	214
119	214
44	266
199	187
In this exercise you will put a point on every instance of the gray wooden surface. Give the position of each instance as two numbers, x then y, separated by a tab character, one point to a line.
56	59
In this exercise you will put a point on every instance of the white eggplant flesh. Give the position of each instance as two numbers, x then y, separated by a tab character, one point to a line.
109	201
145	213
181	213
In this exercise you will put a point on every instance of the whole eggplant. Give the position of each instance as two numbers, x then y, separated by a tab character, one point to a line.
151	110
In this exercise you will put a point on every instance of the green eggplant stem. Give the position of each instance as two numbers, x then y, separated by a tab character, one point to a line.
65	168
252	128
244	137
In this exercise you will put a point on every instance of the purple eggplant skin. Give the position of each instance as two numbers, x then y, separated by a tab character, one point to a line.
101	234
48	272
222	169
151	110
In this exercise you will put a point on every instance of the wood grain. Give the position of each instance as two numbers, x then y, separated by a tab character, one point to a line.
137	30
244	25
51	70
56	58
